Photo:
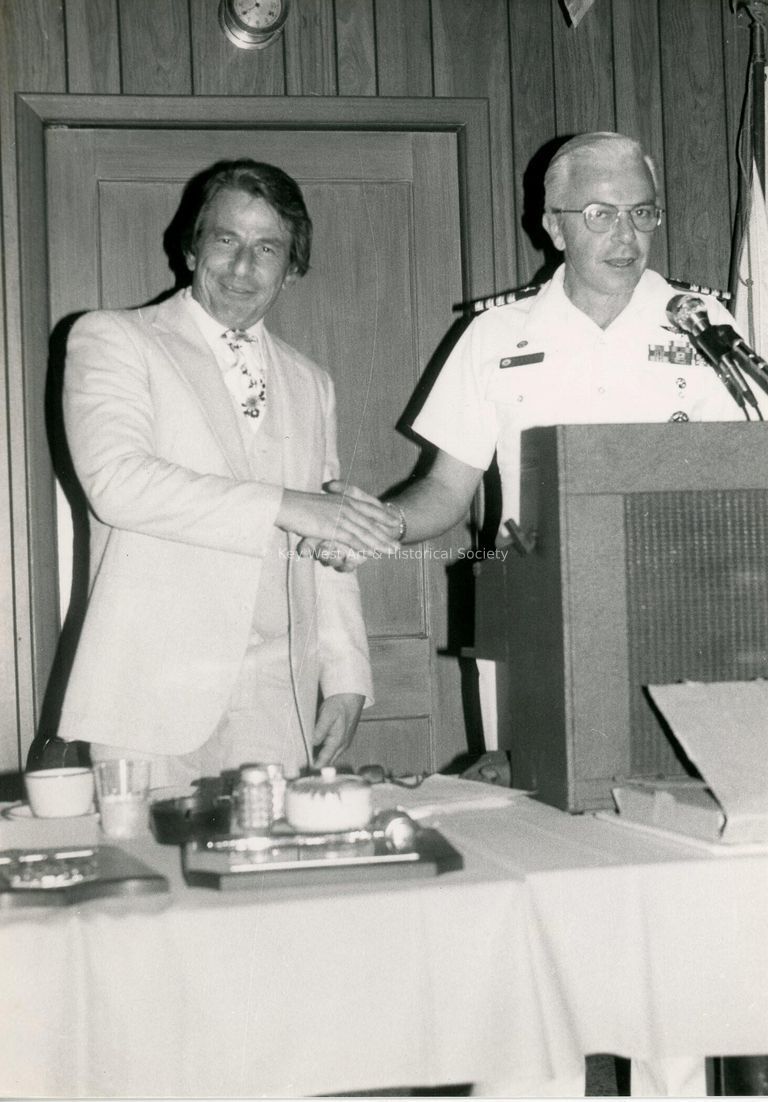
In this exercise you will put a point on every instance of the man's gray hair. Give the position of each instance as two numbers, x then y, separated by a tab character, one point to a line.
597	149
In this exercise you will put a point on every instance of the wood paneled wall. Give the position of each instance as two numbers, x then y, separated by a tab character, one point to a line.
670	72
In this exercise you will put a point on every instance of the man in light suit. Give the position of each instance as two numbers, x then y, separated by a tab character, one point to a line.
203	444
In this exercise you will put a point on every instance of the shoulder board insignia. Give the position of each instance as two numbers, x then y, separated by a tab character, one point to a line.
699	289
503	298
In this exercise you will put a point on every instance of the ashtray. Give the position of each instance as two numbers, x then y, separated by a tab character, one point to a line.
176	821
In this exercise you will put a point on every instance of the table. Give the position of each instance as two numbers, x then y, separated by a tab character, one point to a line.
562	936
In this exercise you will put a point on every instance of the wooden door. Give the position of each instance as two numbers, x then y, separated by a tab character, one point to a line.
386	272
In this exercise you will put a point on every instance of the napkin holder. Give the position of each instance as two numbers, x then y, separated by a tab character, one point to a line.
722	728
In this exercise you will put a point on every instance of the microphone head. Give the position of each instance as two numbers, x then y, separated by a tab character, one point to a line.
688	312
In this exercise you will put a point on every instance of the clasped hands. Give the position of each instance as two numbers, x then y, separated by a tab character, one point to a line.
341	527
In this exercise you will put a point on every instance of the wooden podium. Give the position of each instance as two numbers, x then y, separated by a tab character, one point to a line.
649	566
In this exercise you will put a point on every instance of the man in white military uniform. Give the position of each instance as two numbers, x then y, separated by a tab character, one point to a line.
593	345
542	361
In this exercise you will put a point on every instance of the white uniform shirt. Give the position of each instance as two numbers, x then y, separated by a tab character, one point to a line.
542	361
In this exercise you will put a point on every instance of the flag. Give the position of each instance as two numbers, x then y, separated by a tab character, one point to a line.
750	289
748	281
577	9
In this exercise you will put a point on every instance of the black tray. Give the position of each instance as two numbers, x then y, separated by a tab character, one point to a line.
56	877
228	864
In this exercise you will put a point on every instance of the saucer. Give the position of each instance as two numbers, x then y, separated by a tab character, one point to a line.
24	811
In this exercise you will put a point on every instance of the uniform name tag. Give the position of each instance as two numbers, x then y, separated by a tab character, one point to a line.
521	361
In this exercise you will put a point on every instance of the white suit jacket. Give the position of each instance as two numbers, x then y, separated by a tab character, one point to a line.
179	529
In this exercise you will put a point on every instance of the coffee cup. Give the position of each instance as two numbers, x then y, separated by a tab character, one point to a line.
59	793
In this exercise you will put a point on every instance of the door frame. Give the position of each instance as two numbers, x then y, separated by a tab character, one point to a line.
31	577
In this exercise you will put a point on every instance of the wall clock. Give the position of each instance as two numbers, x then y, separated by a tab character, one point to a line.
253	24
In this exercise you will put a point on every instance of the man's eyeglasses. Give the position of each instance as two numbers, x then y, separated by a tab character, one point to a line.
602	217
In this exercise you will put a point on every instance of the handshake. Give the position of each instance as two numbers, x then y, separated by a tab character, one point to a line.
342	527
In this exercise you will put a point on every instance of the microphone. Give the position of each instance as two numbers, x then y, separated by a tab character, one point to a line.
689	313
721	345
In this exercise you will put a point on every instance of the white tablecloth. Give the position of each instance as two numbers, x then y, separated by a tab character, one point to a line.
561	937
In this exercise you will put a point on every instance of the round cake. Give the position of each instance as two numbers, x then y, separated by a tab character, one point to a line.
328	803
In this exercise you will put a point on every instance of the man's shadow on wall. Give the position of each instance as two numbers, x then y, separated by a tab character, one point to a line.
47	750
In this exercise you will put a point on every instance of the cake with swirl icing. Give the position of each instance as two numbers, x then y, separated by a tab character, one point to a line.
328	803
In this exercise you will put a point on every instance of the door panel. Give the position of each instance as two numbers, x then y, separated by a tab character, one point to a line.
355	313
132	219
386	269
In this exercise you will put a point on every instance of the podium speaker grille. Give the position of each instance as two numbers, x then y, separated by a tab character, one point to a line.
697	600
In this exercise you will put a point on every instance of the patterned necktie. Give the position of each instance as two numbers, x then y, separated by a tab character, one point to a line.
247	383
